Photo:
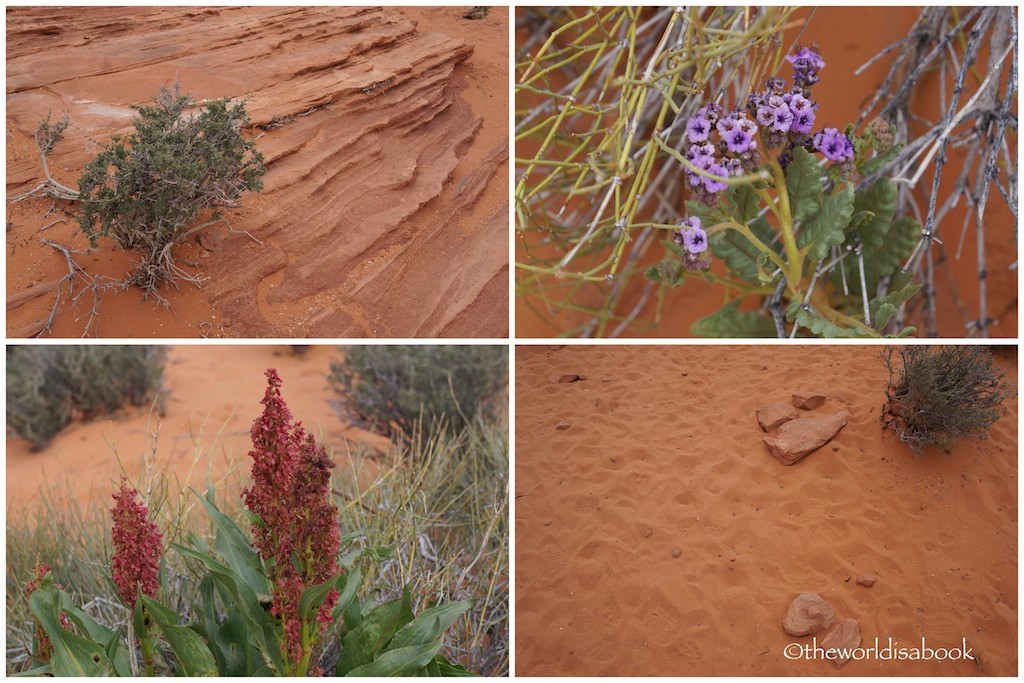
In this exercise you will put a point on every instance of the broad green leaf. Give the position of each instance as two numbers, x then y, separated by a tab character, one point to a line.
430	624
445	668
374	554
73	655
261	626
229	640
398	662
739	254
313	597
235	546
730	322
350	581
880	199
746	202
42	670
906	332
803	182
111	639
825	230
192	653
375	631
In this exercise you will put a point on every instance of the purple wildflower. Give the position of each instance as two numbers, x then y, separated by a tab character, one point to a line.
783	119
691	236
834	145
712	184
697	129
803	121
738	140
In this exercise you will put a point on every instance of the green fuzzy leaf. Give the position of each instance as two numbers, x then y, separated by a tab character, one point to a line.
892	300
860	218
376	629
192	653
869	166
822	328
803	182
739	254
431	624
729	322
826	229
883	315
746	202
398	662
906	332
880	199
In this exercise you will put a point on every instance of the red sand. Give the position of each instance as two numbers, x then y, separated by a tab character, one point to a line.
214	394
665	440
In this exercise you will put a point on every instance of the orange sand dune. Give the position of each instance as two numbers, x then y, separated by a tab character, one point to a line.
664	452
213	396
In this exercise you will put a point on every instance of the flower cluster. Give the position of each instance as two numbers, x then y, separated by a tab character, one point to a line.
735	153
807	62
785	116
834	145
291	493
137	547
694	241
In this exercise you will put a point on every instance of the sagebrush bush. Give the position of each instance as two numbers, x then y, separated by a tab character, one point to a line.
48	385
146	191
938	394
388	389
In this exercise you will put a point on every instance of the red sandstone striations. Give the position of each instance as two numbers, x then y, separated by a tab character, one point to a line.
384	211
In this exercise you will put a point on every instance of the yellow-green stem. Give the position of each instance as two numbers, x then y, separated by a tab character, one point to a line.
794	272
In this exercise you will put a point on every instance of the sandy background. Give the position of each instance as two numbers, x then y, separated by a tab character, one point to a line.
849	37
213	394
665	439
384	211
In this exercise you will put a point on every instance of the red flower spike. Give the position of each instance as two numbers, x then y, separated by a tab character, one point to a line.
291	493
137	547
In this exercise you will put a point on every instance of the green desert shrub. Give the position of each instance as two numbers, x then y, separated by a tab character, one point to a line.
147	190
938	394
388	389
48	385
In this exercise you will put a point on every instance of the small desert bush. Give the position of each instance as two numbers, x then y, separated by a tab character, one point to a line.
147	191
47	386
392	389
938	394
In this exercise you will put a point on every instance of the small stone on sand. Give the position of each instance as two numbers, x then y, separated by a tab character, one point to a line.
866	580
676	552
562	425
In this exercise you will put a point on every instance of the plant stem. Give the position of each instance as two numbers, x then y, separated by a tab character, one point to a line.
795	270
